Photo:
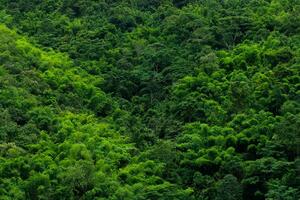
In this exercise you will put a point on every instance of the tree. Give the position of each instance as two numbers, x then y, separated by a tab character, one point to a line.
228	189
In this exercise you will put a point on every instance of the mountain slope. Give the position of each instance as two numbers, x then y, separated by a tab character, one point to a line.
149	99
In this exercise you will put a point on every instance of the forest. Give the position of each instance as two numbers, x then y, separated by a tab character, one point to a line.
149	99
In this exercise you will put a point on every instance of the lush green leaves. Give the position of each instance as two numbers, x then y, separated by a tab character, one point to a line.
173	99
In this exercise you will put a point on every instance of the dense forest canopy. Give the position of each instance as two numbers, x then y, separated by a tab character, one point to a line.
148	100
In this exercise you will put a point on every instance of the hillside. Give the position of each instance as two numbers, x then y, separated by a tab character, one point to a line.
137	99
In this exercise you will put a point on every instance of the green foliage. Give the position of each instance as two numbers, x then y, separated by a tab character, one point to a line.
172	99
229	188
